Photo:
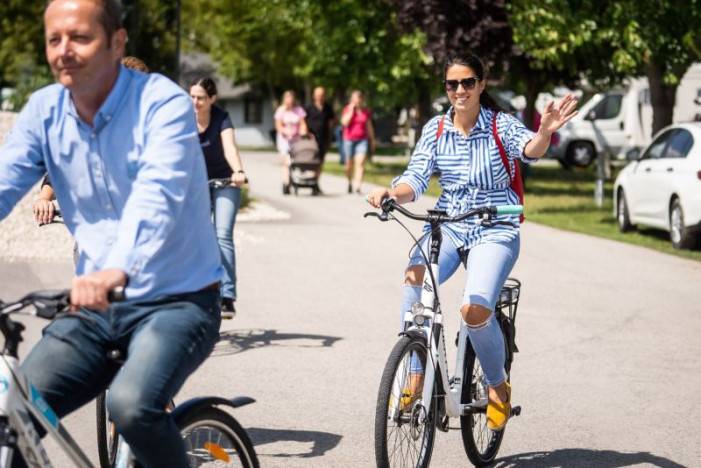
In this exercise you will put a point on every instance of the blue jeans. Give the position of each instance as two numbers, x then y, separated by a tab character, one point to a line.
164	342
353	148
225	205
488	266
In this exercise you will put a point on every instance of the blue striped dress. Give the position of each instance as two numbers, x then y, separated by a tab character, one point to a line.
472	173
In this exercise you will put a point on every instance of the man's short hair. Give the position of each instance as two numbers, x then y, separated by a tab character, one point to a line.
110	16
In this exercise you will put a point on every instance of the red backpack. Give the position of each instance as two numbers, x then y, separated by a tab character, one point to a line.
516	180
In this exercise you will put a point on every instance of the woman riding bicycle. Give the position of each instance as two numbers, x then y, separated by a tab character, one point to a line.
223	162
462	147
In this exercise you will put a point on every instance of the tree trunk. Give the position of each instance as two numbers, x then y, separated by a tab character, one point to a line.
662	97
533	87
425	110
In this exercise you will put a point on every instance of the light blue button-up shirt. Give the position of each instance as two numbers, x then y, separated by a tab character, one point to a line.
132	187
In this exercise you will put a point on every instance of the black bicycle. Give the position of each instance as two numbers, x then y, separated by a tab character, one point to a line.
405	420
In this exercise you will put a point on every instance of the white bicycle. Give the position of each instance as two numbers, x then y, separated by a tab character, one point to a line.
212	436
406	420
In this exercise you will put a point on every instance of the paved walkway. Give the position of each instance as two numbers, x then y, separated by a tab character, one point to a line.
608	373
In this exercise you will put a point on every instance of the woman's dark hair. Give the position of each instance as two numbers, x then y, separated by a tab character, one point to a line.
475	63
207	84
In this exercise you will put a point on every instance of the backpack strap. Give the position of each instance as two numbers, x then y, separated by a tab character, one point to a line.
439	130
516	179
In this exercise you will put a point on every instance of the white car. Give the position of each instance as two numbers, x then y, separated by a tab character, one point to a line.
662	187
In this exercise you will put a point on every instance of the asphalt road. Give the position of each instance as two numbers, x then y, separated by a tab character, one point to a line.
608	374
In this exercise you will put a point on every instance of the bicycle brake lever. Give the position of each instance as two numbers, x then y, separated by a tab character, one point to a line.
381	216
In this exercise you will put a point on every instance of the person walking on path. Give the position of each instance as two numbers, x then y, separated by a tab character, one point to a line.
290	124
320	120
121	150
223	161
358	139
474	147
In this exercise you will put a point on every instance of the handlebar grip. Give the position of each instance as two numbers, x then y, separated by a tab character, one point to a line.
117	295
510	209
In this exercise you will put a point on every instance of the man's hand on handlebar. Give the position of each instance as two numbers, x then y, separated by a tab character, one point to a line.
43	211
91	291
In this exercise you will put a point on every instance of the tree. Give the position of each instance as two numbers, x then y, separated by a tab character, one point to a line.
484	28
22	61
294	44
609	39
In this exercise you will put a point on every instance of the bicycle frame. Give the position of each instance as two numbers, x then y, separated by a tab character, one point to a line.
435	342
19	402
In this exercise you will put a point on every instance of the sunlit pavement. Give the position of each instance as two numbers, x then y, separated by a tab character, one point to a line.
607	374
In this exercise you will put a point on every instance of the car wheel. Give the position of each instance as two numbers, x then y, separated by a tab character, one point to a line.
681	236
622	213
581	153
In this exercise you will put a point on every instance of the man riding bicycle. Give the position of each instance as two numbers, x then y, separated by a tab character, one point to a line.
122	153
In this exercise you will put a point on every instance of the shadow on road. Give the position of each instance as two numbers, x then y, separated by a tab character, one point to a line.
575	458
321	442
238	341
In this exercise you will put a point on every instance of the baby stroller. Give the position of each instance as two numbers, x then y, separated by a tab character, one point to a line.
305	163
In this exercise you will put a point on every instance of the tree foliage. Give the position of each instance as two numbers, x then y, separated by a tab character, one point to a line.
284	44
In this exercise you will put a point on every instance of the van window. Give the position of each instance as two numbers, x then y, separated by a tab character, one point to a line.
679	144
609	107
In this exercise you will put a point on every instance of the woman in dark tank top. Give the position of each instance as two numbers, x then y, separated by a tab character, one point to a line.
223	162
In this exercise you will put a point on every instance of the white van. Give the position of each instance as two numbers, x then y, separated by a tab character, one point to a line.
617	121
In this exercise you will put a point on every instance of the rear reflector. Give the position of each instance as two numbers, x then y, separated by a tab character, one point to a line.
698	174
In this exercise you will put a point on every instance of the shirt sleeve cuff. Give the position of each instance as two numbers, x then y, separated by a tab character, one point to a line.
131	264
410	182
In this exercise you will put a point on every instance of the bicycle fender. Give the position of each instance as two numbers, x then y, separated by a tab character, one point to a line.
416	334
195	404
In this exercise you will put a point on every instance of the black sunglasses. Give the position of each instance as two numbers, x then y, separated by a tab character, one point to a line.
467	83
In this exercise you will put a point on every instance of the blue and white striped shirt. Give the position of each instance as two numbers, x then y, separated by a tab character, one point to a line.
471	170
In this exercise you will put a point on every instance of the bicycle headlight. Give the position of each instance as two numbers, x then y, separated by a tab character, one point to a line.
417	310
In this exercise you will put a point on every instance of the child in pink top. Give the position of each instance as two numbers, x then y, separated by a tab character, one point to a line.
358	138
289	124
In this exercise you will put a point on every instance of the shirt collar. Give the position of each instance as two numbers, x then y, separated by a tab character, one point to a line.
109	107
483	123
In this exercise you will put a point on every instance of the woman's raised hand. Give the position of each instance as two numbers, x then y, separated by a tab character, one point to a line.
555	116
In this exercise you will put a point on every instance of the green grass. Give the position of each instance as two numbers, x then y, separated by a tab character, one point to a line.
554	197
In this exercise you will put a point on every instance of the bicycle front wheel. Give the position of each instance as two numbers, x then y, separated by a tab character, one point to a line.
107	436
404	429
213	438
481	443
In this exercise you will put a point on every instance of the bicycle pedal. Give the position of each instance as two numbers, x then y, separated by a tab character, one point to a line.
516	411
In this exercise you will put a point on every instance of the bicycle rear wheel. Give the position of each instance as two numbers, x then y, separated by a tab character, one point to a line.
404	430
481	443
213	438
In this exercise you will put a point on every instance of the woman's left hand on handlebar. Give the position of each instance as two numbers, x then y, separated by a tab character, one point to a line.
238	179
554	117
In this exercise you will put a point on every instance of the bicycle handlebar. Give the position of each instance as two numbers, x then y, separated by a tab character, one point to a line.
440	217
222	182
49	303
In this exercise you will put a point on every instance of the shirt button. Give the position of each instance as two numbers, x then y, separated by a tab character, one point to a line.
92	135
108	206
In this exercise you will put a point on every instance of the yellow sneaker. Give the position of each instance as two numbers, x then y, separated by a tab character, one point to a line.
498	413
